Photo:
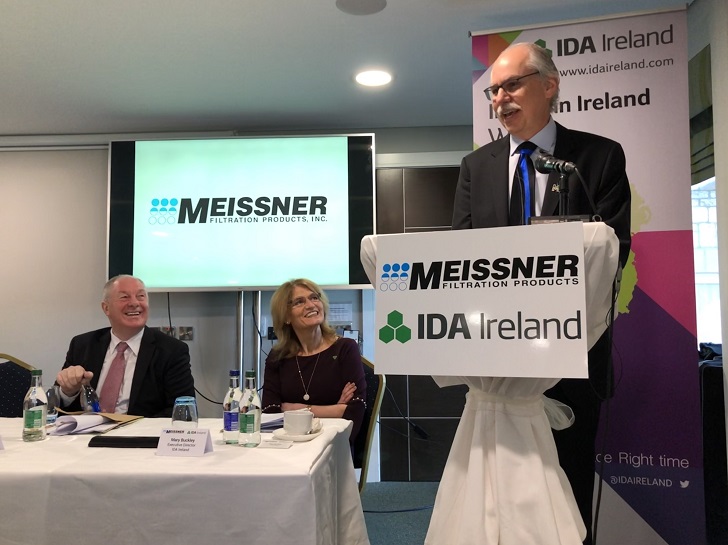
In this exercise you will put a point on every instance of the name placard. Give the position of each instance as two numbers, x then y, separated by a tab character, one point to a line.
506	302
178	442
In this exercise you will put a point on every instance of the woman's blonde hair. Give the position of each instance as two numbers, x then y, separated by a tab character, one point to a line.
288	344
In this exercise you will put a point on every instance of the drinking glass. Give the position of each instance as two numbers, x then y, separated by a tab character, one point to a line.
54	401
184	413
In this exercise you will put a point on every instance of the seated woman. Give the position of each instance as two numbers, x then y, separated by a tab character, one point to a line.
310	366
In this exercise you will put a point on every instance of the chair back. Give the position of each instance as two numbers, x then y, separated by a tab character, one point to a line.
376	385
14	384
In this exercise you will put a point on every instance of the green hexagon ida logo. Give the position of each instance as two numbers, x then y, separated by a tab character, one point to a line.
395	329
542	43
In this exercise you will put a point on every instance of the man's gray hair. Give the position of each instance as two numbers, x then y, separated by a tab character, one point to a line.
110	284
539	59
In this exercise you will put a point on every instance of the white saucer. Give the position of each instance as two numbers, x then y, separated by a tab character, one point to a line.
283	436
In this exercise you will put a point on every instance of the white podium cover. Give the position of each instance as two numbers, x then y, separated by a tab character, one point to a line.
502	483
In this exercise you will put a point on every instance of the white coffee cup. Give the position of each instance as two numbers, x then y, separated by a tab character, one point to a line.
297	422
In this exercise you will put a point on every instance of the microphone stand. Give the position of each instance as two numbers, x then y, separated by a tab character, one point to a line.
563	197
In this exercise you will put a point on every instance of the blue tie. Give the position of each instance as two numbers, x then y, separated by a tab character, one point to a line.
522	205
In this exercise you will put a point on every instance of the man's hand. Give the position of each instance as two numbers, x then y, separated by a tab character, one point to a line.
72	378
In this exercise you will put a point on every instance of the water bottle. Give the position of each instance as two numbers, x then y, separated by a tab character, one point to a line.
54	401
249	417
89	399
35	406
231	408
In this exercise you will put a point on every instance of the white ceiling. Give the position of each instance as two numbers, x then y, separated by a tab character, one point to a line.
99	66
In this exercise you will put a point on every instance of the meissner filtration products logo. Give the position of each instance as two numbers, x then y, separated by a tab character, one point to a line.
262	209
394	276
163	211
498	272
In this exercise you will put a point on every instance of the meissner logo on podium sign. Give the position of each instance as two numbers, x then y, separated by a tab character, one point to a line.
482	272
308	208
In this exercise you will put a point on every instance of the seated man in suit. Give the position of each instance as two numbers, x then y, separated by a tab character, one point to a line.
134	369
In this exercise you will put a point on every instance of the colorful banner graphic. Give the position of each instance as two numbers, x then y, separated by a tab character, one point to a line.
627	79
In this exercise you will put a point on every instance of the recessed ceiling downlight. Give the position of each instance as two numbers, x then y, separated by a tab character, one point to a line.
361	7
373	78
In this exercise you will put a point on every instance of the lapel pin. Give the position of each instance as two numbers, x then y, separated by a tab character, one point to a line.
555	187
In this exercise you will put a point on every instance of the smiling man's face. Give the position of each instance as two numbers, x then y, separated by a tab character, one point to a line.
526	110
127	307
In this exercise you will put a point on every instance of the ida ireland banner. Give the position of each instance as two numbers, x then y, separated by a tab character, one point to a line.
626	78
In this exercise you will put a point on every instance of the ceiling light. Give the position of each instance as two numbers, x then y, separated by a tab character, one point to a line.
373	78
361	7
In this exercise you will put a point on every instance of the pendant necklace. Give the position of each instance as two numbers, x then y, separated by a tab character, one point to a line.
306	397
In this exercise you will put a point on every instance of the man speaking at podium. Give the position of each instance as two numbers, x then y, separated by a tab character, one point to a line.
524	91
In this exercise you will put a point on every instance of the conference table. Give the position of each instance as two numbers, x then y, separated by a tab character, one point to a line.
60	491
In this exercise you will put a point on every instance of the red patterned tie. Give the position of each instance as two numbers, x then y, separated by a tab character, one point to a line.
112	384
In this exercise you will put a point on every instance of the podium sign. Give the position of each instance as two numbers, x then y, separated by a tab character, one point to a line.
505	302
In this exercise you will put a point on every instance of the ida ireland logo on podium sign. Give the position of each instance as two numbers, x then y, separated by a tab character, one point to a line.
395	329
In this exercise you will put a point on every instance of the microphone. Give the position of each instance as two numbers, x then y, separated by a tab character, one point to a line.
545	163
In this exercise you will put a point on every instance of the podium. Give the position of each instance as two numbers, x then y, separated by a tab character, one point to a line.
502	483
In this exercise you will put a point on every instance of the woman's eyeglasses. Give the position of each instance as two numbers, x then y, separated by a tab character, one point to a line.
299	301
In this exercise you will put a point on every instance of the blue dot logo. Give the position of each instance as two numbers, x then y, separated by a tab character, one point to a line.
163	211
394	276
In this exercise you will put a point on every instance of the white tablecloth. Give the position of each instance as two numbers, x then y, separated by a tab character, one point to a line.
502	484
60	491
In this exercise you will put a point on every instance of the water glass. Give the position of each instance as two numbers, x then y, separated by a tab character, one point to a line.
184	413
54	401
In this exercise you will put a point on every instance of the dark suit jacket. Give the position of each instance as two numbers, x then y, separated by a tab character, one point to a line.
481	200
161	375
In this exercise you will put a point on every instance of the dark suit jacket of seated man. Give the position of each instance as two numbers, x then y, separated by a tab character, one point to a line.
162	369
